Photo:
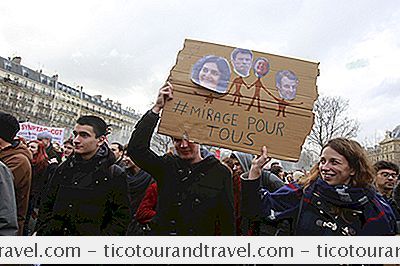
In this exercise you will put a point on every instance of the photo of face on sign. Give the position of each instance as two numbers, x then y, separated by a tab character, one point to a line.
286	82
212	72
242	60
261	67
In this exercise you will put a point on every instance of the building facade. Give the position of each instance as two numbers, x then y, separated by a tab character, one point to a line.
388	149
32	96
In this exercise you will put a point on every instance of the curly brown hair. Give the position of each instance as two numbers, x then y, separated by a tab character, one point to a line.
357	158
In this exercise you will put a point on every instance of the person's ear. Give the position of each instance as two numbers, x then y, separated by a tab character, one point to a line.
101	140
352	173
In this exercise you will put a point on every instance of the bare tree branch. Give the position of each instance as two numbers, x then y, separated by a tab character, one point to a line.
331	121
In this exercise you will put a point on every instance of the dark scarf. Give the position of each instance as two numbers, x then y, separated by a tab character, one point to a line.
342	196
139	181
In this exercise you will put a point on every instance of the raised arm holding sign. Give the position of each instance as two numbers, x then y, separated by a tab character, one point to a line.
195	192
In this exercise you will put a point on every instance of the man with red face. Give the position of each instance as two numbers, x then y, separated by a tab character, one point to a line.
261	67
195	192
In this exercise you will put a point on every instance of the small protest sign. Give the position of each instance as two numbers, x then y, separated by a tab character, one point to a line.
30	130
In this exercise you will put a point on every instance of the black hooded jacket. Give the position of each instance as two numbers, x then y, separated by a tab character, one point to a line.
86	198
193	199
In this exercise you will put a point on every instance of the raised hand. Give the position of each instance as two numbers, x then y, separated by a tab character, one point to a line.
258	163
165	94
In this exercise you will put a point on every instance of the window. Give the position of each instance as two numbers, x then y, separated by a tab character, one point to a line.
25	72
43	79
7	65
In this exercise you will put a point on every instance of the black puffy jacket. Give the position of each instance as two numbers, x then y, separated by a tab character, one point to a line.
86	198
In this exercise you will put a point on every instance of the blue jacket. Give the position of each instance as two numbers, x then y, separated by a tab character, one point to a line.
314	211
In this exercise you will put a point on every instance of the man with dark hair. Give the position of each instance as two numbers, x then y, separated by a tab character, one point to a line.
386	184
87	195
387	174
278	171
286	82
274	164
17	157
68	146
138	181
118	151
195	193
242	60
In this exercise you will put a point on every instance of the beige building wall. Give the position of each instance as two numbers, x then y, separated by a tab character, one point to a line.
387	150
32	96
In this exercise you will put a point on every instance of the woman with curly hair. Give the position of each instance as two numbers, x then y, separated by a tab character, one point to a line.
337	198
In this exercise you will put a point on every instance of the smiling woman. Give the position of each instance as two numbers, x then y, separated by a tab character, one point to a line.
212	72
337	198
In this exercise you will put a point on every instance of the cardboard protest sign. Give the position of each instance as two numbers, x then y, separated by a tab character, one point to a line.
30	130
241	99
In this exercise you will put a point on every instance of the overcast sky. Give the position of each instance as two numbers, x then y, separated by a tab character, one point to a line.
124	50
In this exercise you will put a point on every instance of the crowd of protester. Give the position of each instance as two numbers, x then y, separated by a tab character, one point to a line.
88	186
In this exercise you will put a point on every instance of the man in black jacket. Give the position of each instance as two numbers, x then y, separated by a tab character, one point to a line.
195	193
87	195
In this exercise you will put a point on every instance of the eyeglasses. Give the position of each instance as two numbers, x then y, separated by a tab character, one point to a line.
387	175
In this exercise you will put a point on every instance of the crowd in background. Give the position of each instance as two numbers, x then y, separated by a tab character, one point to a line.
88	186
